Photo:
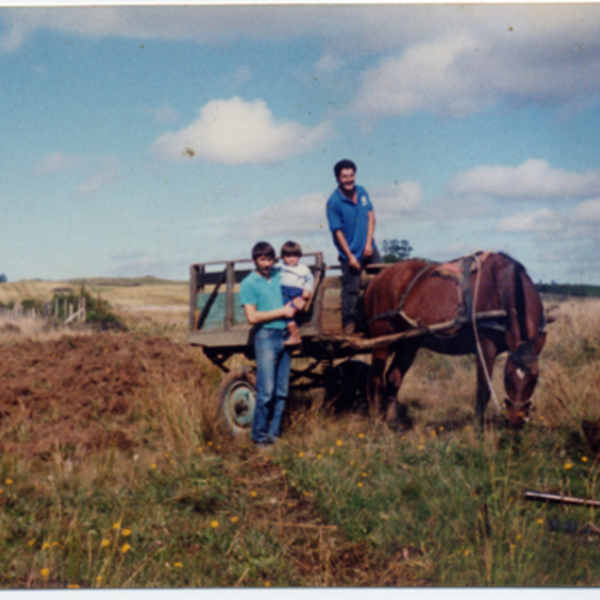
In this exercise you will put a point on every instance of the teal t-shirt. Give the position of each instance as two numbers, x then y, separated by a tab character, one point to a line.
265	294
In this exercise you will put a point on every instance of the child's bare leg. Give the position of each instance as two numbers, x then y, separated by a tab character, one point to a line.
294	339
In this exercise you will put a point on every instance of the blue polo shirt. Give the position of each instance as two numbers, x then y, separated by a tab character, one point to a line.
352	219
264	294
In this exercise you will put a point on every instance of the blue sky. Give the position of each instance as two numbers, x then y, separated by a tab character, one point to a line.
137	140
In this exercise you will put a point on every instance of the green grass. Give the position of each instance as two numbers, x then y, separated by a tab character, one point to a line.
355	503
338	502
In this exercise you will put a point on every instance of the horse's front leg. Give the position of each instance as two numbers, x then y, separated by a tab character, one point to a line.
396	412
489	351
376	384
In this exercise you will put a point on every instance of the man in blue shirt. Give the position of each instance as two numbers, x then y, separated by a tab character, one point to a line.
260	295
352	222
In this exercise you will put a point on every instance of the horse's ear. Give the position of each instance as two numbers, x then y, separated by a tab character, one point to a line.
539	343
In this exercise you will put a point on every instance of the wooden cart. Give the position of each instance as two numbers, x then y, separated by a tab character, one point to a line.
218	325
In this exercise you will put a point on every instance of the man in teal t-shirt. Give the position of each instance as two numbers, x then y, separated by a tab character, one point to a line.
260	295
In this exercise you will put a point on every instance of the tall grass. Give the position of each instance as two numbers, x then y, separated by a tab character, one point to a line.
339	501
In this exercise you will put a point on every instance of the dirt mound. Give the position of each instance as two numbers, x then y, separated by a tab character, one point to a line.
80	391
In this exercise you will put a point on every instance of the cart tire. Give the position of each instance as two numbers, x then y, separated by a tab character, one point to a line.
237	398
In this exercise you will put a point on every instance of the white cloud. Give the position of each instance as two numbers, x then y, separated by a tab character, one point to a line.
57	162
165	113
98	181
328	64
428	76
588	211
450	59
294	218
236	132
541	221
396	201
532	180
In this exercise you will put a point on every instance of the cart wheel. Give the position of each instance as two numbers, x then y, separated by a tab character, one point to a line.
347	387
237	398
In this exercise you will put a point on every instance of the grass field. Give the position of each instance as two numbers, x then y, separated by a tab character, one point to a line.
340	501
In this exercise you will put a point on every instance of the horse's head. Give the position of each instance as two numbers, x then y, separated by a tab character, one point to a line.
520	378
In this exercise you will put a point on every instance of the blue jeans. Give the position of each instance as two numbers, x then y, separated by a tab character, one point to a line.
351	286
273	363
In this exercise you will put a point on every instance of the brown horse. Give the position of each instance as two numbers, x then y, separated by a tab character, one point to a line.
484	304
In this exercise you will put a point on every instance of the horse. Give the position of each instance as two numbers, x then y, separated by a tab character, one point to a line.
483	304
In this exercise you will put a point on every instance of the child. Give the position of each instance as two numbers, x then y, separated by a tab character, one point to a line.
296	285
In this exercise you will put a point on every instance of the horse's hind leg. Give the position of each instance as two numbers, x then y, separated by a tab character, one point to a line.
489	351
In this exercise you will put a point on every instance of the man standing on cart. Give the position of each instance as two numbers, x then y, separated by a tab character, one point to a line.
352	222
260	295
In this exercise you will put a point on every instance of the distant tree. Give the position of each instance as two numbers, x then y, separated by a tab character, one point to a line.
394	250
3	278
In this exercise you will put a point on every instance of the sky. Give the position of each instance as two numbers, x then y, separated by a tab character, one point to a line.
138	140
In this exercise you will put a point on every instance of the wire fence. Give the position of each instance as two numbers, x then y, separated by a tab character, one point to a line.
59	310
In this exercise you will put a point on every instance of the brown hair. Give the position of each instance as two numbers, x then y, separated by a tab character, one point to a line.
291	249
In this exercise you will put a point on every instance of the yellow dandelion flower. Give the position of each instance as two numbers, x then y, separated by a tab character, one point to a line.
433	432
235	519
1	490
568	466
104	543
125	548
45	572
519	536
300	454
361	435
45	546
55	543
584	459
73	586
31	542
319	456
512	547
214	524
363	474
253	494
200	449
209	443
331	451
9	482
466	553
153	466
178	564
360	484
338	443
420	446
468	428
267	584
117	526
99	578
167	455
126	532
540	521
441	428
351	463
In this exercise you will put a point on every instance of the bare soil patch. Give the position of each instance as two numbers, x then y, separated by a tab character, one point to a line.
81	391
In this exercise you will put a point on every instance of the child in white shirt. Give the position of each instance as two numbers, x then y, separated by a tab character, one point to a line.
297	283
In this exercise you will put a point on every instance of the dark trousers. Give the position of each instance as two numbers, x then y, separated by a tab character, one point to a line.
351	286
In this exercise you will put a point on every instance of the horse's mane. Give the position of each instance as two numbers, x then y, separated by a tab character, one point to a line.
520	300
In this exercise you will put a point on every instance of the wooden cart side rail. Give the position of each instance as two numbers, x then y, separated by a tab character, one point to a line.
384	340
